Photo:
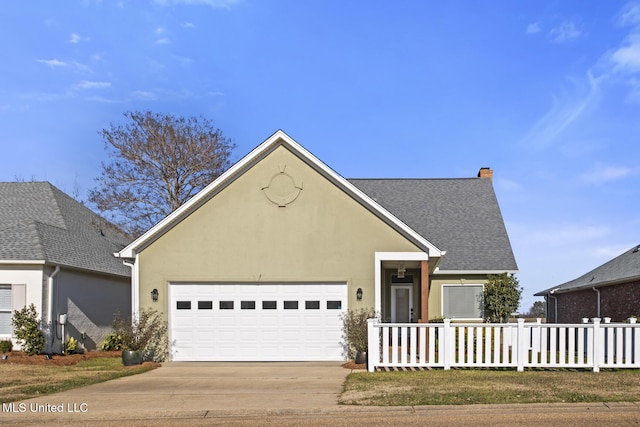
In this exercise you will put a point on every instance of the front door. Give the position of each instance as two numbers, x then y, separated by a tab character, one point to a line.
401	303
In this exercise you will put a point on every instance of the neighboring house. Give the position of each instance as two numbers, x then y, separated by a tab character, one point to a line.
58	255
262	262
610	290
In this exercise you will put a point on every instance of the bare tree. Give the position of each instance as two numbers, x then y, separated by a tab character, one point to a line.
156	163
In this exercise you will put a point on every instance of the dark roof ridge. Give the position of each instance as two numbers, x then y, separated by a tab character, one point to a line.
36	243
58	208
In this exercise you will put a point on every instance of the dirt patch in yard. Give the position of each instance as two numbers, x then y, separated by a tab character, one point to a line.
353	365
20	358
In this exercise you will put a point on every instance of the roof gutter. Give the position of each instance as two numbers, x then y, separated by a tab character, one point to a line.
50	307
559	290
458	272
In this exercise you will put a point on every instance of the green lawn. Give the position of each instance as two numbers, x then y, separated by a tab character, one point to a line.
462	387
19	382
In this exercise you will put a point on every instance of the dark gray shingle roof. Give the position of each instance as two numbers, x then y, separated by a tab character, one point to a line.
625	267
460	216
41	223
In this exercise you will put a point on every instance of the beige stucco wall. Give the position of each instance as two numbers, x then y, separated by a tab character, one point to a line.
241	236
435	292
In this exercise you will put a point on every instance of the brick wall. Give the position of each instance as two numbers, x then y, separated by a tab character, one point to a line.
617	302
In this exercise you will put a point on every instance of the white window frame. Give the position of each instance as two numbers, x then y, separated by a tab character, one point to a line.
458	285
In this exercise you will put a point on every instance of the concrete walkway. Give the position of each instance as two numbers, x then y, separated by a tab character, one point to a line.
282	394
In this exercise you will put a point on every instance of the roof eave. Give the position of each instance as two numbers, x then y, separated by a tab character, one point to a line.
22	262
460	272
559	290
62	265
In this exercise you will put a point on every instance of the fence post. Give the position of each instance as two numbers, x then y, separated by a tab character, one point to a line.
521	349
633	343
596	344
373	338
445	344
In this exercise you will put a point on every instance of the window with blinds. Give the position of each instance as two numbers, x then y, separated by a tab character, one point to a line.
462	301
5	309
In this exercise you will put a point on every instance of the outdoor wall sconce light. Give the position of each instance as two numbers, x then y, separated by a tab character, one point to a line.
359	294
154	295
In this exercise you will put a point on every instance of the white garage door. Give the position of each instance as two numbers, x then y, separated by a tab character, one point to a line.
256	322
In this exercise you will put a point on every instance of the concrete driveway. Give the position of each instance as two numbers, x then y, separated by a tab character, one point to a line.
194	389
275	394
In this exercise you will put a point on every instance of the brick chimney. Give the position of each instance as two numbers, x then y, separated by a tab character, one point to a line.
485	173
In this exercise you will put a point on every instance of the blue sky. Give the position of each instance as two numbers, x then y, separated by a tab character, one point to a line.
547	93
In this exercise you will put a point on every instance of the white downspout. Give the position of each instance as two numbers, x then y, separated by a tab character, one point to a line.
50	308
134	287
594	288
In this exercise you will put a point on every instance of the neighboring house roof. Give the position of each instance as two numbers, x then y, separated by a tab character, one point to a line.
274	141
40	223
459	215
624	268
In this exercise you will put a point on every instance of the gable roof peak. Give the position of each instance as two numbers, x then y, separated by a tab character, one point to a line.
278	138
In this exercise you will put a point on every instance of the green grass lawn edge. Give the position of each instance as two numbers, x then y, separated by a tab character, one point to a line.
84	373
465	387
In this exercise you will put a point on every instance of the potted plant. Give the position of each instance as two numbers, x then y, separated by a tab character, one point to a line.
354	333
5	347
140	337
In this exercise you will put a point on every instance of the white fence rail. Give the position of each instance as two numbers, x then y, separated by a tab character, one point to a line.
519	345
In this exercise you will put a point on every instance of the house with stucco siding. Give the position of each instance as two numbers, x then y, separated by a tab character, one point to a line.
261	264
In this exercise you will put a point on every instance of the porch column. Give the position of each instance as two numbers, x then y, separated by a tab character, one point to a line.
424	291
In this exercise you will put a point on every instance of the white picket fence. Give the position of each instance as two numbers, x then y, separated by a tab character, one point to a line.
519	345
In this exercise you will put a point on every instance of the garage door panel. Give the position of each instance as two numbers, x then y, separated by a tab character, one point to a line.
255	325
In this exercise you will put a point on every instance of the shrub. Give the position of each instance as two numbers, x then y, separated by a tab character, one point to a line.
5	346
26	327
354	330
112	342
146	333
502	294
71	345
